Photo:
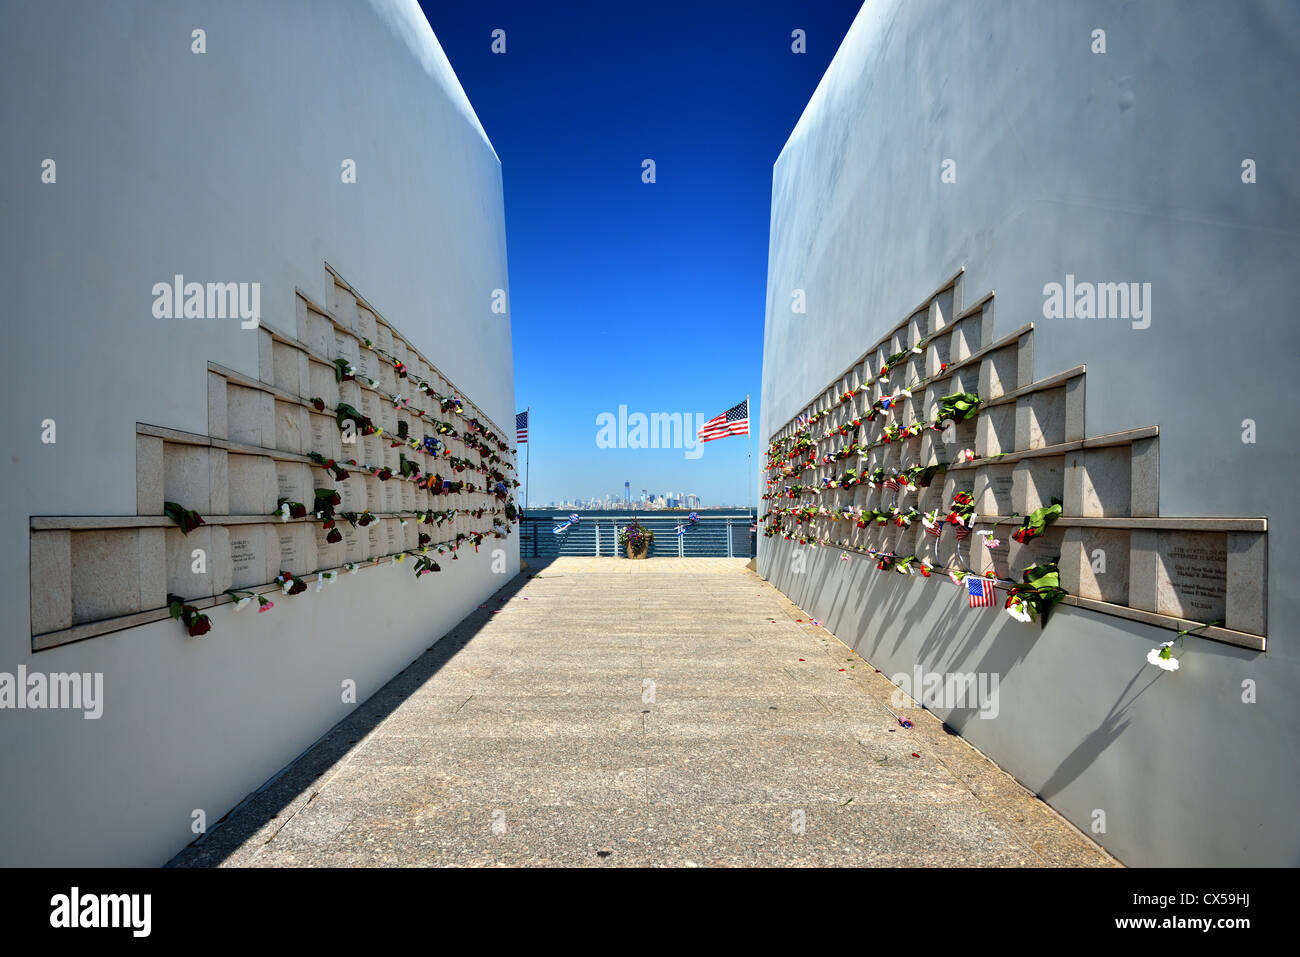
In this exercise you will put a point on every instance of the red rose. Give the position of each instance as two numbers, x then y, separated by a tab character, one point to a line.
199	625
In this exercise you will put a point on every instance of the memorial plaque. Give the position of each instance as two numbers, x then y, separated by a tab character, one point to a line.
366	326
1194	575
328	554
1099	482
995	432
1036	482
297	548
320	333
393	536
253	485
370	450
370	405
324	436
1039	550
286	362
345	306
353	493
187	476
345	347
936	355
994	483
367	364
1095	563
354	543
250	416
293	482
182	578
101	583
289	426
1040	419
290	554
998	372
248	556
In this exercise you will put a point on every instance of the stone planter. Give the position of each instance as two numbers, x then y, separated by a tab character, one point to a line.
634	552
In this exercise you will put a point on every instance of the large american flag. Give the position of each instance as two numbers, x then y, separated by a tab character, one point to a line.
521	427
980	591
735	421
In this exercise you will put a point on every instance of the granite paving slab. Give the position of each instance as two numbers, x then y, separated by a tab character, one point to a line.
614	713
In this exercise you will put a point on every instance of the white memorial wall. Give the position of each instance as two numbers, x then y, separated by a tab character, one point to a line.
981	179
323	153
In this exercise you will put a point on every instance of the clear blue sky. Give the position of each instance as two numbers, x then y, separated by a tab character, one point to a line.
621	292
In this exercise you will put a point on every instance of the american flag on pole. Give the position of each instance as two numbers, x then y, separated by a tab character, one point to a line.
735	421
962	532
521	427
979	591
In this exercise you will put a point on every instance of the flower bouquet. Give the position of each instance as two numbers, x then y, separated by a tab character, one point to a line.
1036	522
637	538
1036	596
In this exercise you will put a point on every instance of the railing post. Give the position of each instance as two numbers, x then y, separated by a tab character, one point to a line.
596	525
729	555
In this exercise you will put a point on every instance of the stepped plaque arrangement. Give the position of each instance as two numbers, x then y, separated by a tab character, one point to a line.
348	450
938	453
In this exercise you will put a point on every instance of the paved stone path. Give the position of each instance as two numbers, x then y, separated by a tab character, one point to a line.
673	712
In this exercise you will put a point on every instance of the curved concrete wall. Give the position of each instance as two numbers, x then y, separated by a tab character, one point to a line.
222	166
1116	166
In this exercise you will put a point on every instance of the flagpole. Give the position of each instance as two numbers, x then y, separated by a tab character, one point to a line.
749	457
528	457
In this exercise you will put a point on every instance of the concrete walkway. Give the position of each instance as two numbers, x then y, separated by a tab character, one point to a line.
667	712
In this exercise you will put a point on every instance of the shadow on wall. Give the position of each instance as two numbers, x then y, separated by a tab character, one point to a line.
852	599
313	766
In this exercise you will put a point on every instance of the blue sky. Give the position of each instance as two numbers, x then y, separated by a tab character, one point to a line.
650	296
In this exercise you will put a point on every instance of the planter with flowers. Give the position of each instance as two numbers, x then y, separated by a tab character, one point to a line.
637	539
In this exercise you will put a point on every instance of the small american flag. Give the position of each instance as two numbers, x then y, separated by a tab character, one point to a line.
936	529
980	592
735	421
962	532
892	483
521	427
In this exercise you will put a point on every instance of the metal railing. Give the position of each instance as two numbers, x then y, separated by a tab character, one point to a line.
726	535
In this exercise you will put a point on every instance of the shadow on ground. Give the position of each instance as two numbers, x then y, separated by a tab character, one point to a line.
297	783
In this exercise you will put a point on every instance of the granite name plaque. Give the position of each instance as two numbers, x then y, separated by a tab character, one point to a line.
1194	583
